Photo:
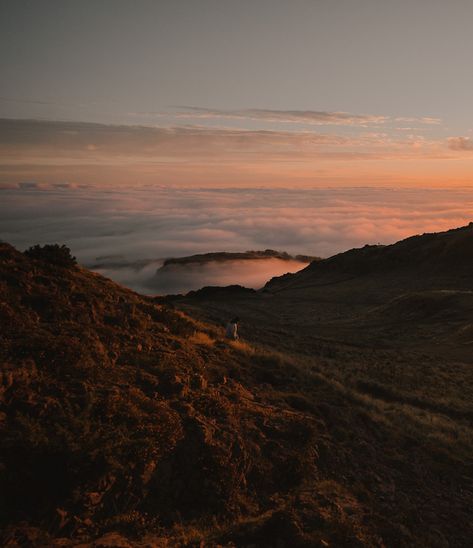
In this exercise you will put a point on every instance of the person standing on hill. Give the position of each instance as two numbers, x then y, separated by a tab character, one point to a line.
231	331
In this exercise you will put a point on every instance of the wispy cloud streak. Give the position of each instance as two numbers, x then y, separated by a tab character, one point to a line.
199	154
312	117
309	117
460	143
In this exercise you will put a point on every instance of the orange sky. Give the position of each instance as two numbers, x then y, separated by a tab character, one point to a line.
186	155
211	93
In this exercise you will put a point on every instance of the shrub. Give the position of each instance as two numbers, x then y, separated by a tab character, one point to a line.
59	255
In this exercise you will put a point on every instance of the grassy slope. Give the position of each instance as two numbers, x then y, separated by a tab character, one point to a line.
394	342
124	417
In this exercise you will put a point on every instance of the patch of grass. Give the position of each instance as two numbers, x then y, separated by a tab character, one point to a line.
201	338
242	347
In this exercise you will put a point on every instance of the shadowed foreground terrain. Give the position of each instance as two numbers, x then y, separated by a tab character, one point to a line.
344	420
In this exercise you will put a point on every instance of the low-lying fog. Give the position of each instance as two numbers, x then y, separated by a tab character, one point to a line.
178	278
127	233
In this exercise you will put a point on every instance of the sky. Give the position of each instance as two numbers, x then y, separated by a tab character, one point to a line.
247	93
148	129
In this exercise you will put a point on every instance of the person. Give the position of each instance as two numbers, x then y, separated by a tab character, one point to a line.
232	329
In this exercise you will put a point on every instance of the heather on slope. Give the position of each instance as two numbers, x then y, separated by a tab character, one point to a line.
118	417
124	420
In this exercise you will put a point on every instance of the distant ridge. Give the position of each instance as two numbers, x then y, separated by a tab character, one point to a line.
222	256
433	256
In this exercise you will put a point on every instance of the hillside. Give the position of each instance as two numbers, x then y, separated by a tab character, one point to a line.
392	326
127	422
120	415
430	260
415	294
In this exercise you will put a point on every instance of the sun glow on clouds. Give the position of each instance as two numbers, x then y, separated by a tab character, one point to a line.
110	226
347	150
152	192
148	279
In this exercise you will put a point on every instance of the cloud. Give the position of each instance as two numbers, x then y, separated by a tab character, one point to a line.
149	279
249	273
33	185
428	120
81	153
92	136
30	101
152	223
460	143
94	141
24	141
52	151
311	117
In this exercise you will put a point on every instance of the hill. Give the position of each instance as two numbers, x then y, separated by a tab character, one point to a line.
392	326
129	421
122	417
428	260
222	256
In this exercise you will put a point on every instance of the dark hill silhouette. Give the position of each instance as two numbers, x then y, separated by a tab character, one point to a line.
125	421
223	256
408	292
434	258
118	261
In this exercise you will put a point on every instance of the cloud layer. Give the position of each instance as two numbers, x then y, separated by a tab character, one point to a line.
152	222
311	117
356	151
249	273
460	143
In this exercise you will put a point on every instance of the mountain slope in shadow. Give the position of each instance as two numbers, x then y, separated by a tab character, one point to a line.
428	260
406	293
130	421
125	421
392	326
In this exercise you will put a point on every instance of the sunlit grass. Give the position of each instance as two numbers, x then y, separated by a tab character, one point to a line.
201	338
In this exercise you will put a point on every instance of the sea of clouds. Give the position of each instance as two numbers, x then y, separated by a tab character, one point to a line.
126	233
